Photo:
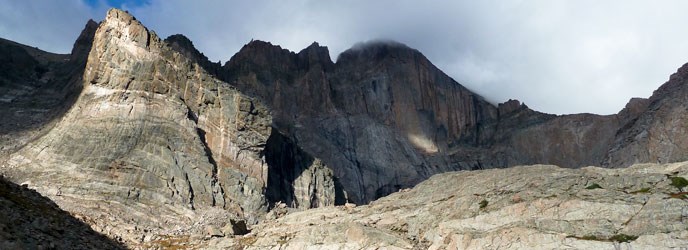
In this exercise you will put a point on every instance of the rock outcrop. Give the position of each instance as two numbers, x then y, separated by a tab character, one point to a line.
525	207
660	132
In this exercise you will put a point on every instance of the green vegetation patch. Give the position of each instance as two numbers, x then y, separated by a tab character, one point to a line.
623	238
641	191
616	238
589	237
594	186
679	182
483	204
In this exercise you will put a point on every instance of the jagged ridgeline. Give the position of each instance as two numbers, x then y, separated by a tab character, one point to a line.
145	137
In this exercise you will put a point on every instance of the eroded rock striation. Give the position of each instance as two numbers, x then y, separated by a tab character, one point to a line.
155	139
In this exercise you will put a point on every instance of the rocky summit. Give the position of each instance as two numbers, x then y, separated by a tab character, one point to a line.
147	142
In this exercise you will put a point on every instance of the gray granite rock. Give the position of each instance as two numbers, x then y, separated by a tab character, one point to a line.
525	207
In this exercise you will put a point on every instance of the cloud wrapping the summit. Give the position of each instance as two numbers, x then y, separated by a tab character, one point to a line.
556	56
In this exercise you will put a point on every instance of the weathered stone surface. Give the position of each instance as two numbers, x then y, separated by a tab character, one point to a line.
235	227
527	207
571	141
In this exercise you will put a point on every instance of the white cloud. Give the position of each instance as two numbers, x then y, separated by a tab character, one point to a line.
556	56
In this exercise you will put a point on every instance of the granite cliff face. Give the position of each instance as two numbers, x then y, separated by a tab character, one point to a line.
154	138
384	118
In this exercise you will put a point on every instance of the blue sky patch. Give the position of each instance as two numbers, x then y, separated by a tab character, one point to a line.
117	3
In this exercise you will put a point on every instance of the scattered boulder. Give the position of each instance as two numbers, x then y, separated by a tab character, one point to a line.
235	227
214	231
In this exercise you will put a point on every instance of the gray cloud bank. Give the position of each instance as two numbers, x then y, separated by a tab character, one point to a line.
556	56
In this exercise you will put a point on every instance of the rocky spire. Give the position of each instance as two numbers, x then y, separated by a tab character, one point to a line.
184	46
83	43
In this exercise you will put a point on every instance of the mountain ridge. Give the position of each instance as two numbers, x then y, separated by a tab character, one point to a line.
152	123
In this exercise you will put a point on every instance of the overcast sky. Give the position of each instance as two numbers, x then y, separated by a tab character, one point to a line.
556	56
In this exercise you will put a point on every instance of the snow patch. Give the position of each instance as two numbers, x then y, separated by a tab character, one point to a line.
100	91
423	142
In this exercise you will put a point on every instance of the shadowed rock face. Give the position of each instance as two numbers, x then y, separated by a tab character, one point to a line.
31	221
296	178
37	88
184	46
384	118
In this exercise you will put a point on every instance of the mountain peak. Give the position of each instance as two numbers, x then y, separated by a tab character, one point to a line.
183	45
82	46
119	15
128	29
314	54
376	50
180	40
256	44
262	53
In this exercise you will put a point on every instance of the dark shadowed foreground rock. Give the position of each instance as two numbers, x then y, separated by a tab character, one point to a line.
526	207
31	221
